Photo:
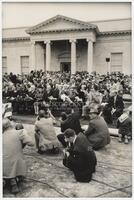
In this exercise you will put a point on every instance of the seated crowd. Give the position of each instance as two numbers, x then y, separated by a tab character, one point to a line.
100	100
29	93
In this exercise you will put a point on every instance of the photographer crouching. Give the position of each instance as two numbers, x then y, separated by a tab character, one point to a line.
79	156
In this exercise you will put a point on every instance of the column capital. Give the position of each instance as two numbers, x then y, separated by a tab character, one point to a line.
72	40
33	42
89	40
47	42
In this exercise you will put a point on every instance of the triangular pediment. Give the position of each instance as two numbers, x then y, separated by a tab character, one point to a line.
60	23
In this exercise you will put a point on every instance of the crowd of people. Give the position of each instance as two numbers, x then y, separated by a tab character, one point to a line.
96	98
29	93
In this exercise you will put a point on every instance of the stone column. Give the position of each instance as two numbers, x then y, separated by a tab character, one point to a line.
108	67
48	55
90	56
73	56
33	67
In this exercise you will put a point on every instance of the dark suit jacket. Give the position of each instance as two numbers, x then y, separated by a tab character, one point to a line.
72	122
97	133
82	159
118	103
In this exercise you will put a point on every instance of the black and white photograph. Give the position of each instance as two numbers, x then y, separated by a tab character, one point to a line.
66	99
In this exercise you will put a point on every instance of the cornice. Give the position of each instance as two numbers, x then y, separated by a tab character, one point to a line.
15	39
114	33
62	30
101	34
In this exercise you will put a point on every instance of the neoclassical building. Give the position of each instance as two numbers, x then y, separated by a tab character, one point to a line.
65	44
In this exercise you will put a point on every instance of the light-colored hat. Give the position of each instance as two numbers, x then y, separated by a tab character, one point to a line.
93	110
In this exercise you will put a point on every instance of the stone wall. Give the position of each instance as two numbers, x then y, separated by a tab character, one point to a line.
103	47
13	51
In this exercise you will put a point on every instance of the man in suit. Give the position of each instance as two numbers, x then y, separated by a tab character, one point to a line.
97	132
114	108
69	121
79	156
72	122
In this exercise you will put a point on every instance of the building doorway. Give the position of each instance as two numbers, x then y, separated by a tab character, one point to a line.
65	67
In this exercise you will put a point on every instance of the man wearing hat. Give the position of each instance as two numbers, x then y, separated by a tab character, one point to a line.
97	132
79	156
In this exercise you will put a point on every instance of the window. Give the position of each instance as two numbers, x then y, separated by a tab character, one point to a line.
116	62
24	64
4	65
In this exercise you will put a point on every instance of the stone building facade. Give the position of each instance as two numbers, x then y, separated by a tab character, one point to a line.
65	44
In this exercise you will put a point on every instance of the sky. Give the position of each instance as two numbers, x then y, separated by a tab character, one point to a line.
29	14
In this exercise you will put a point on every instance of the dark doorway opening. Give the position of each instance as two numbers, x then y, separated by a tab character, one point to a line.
65	67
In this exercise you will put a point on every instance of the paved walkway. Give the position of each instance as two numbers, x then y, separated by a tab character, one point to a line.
47	177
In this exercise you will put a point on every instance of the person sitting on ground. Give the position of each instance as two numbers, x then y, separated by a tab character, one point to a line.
69	121
97	132
124	125
45	135
79	156
14	165
61	136
23	134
